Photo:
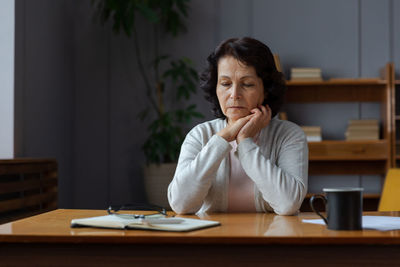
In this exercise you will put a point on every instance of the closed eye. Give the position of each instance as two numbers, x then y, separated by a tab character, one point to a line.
248	84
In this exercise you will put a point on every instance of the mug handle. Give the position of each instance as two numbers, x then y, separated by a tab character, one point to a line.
312	199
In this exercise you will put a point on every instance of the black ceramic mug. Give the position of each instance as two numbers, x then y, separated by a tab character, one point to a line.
343	208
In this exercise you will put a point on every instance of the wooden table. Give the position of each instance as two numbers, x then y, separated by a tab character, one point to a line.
241	240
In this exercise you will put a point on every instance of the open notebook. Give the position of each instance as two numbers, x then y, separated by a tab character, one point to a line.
159	223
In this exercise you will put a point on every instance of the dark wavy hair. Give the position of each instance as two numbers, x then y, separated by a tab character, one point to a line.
251	52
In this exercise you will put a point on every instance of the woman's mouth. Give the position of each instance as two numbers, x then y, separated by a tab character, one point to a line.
237	107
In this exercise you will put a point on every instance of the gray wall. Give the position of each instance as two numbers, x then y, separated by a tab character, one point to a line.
44	87
78	89
6	79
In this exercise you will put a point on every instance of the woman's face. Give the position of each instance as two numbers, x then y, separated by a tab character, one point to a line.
239	89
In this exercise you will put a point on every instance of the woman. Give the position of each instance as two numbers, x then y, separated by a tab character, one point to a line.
246	160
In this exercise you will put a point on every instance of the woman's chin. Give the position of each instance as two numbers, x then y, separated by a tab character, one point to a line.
234	117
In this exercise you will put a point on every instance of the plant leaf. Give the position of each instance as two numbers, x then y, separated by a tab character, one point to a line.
147	11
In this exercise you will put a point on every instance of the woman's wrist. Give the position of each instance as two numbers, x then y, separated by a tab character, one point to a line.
224	135
240	139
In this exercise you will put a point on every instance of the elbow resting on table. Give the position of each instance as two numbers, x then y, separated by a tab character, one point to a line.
292	204
179	207
287	209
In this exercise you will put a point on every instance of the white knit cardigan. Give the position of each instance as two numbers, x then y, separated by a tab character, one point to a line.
278	166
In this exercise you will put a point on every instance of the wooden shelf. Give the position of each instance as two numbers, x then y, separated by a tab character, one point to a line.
396	121
373	196
334	150
337	91
368	195
348	167
350	157
340	157
341	82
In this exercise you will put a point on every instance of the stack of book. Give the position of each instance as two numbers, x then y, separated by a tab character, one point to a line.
306	74
362	130
313	133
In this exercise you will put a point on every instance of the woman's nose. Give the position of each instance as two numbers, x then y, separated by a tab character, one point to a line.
235	93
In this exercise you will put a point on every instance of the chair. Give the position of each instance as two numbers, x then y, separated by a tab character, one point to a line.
27	187
390	197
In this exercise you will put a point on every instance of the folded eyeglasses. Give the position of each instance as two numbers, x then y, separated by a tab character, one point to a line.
160	211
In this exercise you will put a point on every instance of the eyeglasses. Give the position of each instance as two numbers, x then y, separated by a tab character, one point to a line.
114	209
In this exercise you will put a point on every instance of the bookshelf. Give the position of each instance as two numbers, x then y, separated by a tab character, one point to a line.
396	121
340	157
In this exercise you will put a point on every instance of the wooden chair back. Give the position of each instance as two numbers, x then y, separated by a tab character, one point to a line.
390	197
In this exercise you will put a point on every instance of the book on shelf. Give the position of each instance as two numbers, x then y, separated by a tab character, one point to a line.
365	127
362	130
306	70
305	74
150	222
365	136
313	133
311	138
355	79
306	79
311	129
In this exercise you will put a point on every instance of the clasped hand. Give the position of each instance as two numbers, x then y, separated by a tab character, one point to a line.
247	126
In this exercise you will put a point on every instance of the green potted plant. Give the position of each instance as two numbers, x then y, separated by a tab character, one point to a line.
178	77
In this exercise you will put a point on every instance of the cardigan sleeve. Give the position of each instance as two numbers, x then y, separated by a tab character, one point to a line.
282	185
196	169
